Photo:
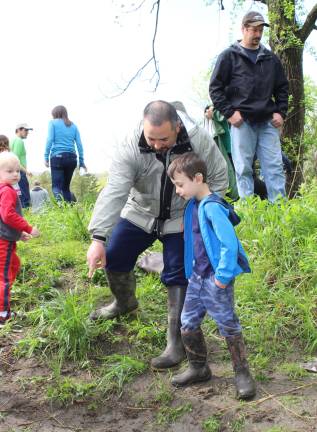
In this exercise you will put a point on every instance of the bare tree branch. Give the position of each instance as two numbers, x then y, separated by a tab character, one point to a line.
309	24
150	60
137	7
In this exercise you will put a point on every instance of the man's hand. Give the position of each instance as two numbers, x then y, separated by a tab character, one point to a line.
35	232
96	257
277	120
219	284
46	163
236	119
209	113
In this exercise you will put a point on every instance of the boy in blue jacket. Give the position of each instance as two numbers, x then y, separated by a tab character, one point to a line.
213	258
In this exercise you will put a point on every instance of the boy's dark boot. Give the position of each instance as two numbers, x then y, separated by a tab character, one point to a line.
174	352
244	382
122	286
196	352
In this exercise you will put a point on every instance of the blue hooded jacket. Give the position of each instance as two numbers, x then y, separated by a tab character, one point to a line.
223	248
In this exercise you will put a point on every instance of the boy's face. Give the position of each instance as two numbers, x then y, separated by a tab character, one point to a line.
185	187
10	172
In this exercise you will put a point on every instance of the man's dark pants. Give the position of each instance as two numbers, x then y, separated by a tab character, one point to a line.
25	190
128	241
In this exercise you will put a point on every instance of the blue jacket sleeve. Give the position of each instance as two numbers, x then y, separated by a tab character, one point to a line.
225	233
49	141
80	150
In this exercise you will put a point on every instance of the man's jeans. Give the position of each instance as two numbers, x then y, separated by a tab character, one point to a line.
262	140
203	296
62	168
25	190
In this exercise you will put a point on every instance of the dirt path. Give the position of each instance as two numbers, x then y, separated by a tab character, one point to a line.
151	404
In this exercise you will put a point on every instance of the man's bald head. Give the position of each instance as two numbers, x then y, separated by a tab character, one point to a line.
160	125
159	112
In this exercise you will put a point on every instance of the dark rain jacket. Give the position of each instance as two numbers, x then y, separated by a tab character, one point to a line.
257	90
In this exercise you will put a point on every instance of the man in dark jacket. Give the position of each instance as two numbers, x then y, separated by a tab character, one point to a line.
248	86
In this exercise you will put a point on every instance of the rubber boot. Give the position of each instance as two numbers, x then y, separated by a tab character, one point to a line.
244	382
174	352
196	352
122	286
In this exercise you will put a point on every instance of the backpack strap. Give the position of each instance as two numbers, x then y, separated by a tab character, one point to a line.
235	220
233	216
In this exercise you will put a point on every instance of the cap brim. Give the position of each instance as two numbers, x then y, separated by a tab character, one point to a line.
258	23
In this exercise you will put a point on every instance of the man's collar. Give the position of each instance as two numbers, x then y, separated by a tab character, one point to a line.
181	146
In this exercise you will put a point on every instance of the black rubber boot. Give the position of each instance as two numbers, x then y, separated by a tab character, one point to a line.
122	286
196	352
244	382
174	352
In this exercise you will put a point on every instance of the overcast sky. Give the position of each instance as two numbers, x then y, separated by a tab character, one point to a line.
76	52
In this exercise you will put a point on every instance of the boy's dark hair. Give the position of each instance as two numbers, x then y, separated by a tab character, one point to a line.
4	143
190	164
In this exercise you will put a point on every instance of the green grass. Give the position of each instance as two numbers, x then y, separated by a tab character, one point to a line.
66	391
276	303
211	424
293	370
118	370
276	429
168	414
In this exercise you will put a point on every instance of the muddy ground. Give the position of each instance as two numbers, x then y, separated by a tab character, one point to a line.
281	405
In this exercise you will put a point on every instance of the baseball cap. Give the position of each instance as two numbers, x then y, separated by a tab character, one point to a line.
23	126
254	18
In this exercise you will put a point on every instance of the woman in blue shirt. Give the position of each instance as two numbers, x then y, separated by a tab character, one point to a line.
60	152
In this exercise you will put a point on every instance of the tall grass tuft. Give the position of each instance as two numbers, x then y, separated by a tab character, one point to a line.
118	370
277	302
62	327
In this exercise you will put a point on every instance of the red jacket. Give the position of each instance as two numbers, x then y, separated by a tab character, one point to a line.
11	221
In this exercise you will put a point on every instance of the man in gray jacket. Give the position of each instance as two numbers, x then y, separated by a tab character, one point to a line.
139	205
39	197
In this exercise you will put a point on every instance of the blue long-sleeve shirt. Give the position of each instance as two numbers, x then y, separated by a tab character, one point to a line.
61	139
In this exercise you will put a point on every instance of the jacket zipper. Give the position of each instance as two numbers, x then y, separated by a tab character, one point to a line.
165	181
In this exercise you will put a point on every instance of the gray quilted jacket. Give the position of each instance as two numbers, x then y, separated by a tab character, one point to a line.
138	188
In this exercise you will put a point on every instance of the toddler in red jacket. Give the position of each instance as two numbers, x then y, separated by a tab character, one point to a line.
13	227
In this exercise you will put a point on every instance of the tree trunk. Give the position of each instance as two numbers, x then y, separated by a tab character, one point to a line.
286	44
287	40
293	131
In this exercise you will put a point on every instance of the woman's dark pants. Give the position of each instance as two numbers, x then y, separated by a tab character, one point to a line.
62	168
